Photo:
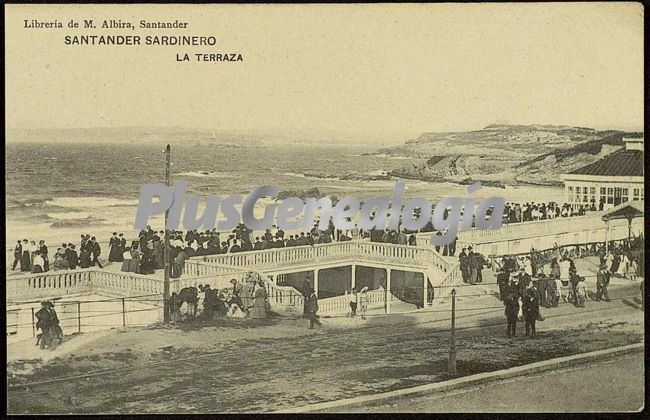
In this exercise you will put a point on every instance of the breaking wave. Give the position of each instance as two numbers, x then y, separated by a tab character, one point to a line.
89	202
203	174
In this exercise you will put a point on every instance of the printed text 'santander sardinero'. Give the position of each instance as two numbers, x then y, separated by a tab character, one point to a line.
139	40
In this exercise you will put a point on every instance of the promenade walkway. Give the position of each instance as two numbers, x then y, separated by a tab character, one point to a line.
275	364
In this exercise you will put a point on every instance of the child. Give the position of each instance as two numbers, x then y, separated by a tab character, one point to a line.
363	302
581	293
632	269
353	301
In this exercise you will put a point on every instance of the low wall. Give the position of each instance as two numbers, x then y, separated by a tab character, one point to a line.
543	234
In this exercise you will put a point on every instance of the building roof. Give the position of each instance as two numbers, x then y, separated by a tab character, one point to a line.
620	163
627	210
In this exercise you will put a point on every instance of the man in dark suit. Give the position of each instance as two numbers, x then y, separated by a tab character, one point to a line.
530	310
511	303
602	280
503	280
95	251
44	254
18	253
306	292
312	309
258	244
524	282
464	266
235	247
72	256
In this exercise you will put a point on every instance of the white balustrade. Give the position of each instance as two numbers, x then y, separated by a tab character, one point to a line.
54	283
355	251
217	271
535	228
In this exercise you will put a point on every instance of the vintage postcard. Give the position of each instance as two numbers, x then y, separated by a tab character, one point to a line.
324	208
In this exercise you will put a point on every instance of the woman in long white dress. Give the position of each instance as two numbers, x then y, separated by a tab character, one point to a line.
609	260
623	266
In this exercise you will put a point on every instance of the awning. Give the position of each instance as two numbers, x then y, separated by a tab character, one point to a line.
628	210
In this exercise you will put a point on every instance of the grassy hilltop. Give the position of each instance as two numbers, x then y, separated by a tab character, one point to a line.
505	154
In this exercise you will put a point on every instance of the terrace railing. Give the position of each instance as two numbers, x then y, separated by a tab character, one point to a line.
352	251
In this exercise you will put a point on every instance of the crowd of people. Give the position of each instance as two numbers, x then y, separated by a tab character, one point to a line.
531	211
243	300
471	265
146	254
524	286
35	258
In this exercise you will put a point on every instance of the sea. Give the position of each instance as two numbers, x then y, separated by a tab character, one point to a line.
58	191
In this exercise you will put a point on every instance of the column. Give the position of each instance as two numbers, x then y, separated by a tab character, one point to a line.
387	300
425	289
316	282
353	278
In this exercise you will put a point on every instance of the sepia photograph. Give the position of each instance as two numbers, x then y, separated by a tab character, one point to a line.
324	208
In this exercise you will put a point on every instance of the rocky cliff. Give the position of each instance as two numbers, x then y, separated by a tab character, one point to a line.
504	154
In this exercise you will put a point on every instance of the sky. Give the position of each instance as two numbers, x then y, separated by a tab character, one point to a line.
399	69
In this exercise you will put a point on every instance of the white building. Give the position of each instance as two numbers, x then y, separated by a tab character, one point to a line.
615	179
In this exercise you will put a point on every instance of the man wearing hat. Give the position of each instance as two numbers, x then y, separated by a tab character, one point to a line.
530	309
18	253
312	309
72	256
601	283
236	293
511	303
524	282
464	266
503	278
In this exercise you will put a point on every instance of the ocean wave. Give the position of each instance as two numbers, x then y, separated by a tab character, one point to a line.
80	222
383	155
72	215
203	174
89	202
294	174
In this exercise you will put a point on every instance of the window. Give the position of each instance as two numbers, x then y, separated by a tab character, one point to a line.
570	194
624	195
610	196
635	197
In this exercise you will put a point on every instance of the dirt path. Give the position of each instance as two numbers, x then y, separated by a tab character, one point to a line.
273	364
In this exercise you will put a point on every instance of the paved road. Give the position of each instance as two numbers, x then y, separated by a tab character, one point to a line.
614	385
